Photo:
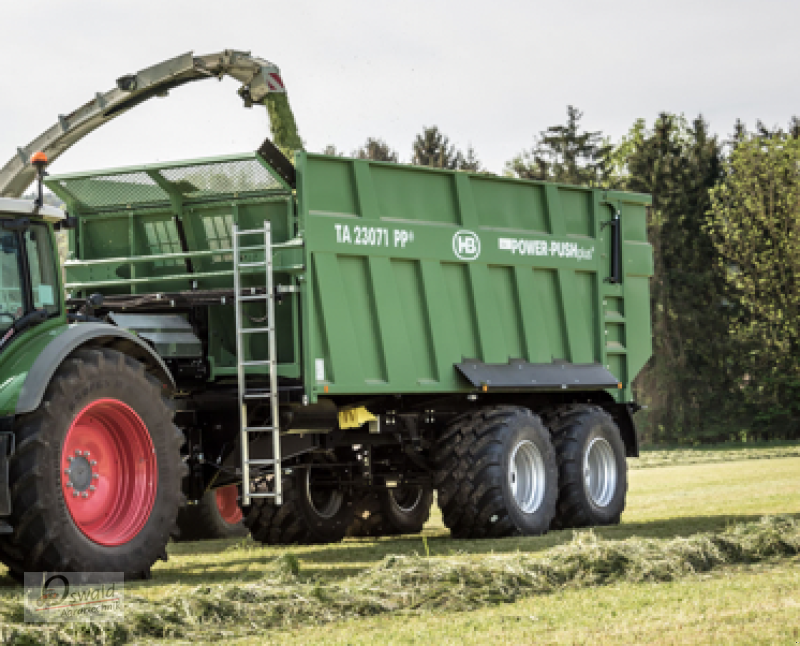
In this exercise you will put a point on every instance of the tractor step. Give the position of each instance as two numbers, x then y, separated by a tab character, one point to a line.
5	528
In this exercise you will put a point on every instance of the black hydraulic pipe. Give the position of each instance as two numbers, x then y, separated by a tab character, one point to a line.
616	249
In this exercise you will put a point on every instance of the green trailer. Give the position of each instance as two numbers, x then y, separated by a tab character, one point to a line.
407	314
337	339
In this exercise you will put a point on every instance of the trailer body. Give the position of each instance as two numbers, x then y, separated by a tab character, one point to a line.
410	281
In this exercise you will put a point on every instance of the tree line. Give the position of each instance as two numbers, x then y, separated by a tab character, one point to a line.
725	230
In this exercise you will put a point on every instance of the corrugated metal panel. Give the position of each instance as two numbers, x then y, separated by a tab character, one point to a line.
412	270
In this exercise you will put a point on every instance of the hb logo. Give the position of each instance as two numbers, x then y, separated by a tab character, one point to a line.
466	245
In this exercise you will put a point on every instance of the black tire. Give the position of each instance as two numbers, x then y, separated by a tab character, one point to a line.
392	512
46	536
205	521
13	558
307	516
575	429
473	479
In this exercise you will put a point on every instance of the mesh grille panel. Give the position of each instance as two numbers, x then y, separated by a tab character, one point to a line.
108	190
225	177
194	181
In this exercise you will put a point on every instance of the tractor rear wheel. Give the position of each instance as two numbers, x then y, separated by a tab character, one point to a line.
496	474
313	511
216	515
391	512
96	478
593	478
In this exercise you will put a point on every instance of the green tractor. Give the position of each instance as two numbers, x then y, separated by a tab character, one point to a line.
89	455
331	339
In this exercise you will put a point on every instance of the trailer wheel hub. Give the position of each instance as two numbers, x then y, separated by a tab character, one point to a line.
406	499
527	476
600	472
325	502
109	476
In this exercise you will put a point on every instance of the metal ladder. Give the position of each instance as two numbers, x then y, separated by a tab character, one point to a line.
248	394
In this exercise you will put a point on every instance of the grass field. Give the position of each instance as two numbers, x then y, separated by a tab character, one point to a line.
700	491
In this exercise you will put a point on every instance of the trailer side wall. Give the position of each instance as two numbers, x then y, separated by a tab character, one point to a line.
411	270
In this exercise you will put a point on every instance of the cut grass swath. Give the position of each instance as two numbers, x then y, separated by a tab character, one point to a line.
283	598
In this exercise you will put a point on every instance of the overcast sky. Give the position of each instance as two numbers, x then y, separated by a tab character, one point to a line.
490	74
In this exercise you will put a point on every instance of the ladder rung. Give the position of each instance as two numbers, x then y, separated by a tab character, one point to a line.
255	297
257	248
263	495
253	264
264	395
261	463
256	429
266	362
247	232
255	330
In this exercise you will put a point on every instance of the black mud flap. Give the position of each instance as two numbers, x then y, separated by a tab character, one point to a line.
6	450
623	416
521	375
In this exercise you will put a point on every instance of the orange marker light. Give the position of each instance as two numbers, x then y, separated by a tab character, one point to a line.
485	388
326	389
38	158
619	386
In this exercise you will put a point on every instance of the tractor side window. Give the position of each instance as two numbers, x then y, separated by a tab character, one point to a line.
12	305
42	263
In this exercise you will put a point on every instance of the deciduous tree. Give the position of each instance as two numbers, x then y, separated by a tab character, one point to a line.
754	221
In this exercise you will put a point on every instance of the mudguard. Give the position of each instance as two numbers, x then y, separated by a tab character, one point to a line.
623	416
80	335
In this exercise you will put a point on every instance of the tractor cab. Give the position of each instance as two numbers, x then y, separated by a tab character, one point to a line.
29	281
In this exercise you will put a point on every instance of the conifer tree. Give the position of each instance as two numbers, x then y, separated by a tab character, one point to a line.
566	154
332	150
469	161
376	150
686	382
433	148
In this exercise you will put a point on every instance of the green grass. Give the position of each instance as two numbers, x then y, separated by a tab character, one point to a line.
727	603
659	457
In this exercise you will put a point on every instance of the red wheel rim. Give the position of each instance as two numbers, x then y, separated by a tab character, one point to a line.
228	504
109	473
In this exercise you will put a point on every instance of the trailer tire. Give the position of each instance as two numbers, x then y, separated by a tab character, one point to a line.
588	445
307	516
103	400
392	512
216	515
496	474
